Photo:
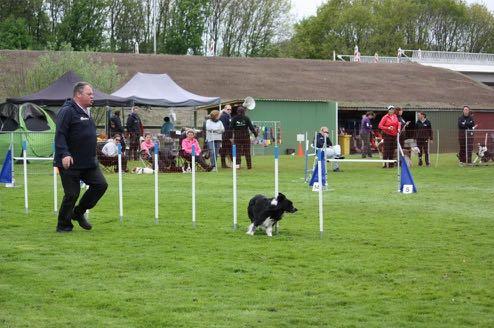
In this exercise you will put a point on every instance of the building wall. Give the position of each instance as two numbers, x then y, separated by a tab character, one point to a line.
296	117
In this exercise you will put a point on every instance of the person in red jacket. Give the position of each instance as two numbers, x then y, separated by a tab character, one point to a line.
390	126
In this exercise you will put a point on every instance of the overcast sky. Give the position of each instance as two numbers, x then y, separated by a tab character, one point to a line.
304	8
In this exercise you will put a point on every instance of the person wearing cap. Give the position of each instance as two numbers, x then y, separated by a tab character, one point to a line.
365	134
390	126
186	151
465	135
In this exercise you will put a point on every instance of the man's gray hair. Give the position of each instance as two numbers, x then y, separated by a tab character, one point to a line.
79	87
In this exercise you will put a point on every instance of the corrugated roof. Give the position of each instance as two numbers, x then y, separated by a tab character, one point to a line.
350	84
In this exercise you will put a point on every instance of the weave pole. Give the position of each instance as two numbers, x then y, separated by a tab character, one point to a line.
234	170
437	148
156	149
320	154
55	185
193	186
276	189
24	162
120	191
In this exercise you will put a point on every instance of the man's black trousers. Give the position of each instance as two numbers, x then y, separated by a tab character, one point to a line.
71	185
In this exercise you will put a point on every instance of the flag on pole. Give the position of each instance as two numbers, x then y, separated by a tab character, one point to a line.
6	173
315	178
407	185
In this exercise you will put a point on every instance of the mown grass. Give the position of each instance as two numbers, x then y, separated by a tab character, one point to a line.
385	260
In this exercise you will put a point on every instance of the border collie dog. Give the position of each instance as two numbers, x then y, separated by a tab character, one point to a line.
265	212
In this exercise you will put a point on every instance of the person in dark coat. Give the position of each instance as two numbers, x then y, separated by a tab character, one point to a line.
465	135
116	124
134	128
116	127
75	158
226	144
423	136
241	124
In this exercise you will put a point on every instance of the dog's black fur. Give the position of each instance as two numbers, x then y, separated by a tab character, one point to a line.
266	212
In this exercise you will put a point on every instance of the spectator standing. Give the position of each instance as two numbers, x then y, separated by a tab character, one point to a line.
75	157
134	128
390	127
423	135
226	144
214	132
465	135
241	124
167	126
365	134
116	124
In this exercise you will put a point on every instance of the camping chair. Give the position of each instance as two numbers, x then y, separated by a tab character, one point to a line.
185	160
107	163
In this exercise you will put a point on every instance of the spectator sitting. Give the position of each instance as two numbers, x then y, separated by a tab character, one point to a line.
167	126
147	146
324	143
109	156
186	151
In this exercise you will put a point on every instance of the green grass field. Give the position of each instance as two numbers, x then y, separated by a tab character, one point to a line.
385	260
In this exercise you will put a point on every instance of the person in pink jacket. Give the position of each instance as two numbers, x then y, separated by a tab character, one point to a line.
147	146
390	126
186	151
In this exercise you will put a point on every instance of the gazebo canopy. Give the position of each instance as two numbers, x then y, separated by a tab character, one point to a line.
62	89
161	90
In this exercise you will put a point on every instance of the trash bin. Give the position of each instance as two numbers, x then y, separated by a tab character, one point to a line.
344	142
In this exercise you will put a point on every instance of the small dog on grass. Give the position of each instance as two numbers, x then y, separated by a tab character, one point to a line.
483	154
265	212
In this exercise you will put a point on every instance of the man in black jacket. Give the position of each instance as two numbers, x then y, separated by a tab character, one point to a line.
135	131
75	158
116	124
423	134
465	135
226	144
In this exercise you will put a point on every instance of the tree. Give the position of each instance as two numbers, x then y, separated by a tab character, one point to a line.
14	34
187	23
83	24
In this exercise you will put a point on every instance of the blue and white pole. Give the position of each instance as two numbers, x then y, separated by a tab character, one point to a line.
156	150
55	184
234	170
276	189
320	155
120	189
193	186
24	162
276	160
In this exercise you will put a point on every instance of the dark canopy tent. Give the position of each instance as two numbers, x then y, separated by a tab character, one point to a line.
161	91
62	89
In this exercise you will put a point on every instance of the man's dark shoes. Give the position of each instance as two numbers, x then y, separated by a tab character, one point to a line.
64	229
82	220
420	162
